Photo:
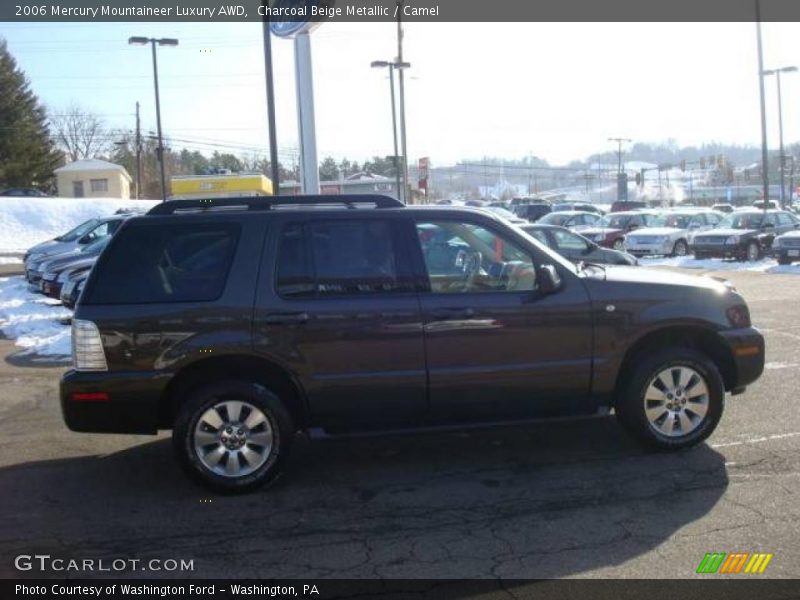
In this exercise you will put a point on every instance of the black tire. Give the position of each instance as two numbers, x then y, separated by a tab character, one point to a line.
201	400
680	248
753	251
630	403
782	260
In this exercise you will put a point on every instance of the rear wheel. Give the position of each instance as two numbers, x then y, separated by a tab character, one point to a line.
672	399
680	248
619	245
232	436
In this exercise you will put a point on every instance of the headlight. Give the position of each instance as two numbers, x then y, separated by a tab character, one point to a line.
738	316
734	239
48	276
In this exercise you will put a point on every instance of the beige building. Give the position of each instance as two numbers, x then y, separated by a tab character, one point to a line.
93	178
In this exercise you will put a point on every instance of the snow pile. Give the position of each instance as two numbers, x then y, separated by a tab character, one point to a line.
25	222
10	260
766	265
32	320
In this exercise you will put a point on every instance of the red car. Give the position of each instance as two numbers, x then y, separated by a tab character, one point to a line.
610	231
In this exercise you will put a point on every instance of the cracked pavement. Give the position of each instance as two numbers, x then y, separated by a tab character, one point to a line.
564	499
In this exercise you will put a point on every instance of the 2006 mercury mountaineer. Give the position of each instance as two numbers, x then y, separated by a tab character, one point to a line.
239	322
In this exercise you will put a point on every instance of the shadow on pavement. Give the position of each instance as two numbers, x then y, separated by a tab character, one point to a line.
536	501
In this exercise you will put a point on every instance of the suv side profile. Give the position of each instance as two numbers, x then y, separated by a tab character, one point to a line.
244	321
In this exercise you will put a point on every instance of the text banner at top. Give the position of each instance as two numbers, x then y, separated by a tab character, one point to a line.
433	11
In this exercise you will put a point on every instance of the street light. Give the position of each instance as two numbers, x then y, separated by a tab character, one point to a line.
619	151
143	41
384	64
777	73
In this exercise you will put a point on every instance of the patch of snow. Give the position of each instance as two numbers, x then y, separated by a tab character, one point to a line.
10	260
766	265
25	222
33	320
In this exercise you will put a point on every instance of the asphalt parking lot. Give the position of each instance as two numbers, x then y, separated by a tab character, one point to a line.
567	499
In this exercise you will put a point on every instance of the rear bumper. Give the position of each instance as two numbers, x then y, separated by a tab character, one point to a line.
131	407
788	254
747	349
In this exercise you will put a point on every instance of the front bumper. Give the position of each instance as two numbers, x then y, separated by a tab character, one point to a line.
787	254
131	407
747	349
657	249
51	288
718	250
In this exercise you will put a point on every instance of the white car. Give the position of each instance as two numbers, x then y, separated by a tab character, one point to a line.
671	234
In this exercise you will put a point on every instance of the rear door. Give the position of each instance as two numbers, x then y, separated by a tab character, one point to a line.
340	308
496	346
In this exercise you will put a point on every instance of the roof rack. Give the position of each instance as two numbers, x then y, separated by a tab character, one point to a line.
270	202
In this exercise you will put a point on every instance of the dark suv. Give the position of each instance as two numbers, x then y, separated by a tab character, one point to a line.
239	322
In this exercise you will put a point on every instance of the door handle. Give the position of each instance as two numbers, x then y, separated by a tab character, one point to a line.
286	318
445	314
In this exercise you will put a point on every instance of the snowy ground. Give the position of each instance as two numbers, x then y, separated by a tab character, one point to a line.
33	320
766	265
10	260
25	222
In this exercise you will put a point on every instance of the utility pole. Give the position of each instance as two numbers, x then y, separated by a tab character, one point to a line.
764	157
401	82
138	154
619	151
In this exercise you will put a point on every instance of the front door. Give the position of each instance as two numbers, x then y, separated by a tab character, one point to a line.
342	311
497	347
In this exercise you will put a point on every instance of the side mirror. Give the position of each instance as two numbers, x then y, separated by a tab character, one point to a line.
549	279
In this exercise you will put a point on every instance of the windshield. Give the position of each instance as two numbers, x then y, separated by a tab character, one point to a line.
555	219
742	221
614	221
672	220
79	231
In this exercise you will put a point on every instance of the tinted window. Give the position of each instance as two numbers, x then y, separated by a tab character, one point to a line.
468	258
165	263
339	257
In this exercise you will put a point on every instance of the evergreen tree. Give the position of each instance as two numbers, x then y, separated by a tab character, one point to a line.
27	154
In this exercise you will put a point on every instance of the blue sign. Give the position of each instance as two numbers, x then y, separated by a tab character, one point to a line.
290	17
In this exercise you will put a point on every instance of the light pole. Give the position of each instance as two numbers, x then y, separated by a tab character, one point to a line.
383	64
143	41
777	73
399	64
619	151
764	157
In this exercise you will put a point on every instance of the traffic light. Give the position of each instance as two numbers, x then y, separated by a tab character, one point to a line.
639	179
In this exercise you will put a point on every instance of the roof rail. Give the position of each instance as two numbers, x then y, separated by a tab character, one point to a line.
269	202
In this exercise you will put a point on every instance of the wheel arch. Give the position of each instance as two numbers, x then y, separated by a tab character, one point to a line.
697	337
244	367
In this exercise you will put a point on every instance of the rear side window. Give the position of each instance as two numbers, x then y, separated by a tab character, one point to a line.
165	263
341	257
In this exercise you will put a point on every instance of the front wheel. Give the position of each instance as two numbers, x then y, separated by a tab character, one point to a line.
672	400
232	436
680	248
753	252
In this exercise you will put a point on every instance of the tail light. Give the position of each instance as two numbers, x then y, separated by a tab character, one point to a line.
87	347
738	316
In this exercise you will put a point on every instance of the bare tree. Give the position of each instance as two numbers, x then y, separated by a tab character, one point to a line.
79	132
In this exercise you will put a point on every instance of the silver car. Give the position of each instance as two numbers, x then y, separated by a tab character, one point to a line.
672	233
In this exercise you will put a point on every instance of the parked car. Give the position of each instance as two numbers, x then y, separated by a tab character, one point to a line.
85	233
575	247
57	271
506	214
627	205
71	290
532	212
744	235
580	206
786	247
671	233
575	220
769	204
236	326
24	192
723	208
610	231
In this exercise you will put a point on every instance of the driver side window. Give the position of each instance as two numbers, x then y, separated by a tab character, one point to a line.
468	258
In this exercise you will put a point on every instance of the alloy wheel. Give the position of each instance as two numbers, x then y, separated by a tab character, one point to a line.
233	438
676	401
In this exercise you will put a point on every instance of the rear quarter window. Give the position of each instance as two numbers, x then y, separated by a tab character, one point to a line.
165	263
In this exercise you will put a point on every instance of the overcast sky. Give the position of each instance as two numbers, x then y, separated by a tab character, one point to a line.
557	91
